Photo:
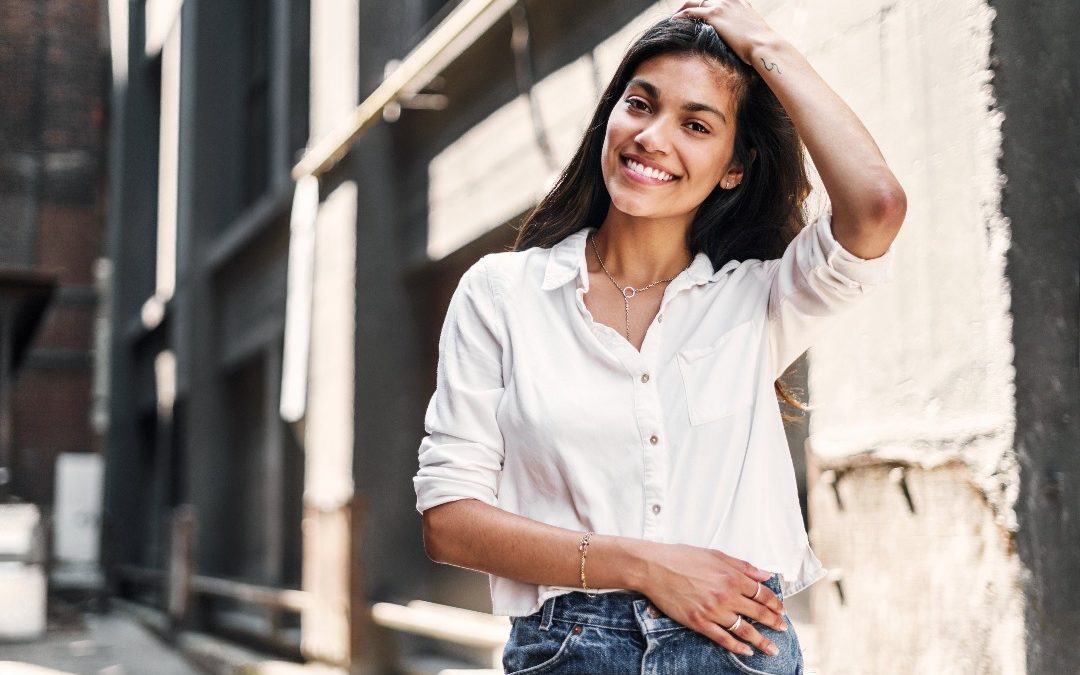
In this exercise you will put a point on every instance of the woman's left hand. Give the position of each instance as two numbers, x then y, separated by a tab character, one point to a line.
734	20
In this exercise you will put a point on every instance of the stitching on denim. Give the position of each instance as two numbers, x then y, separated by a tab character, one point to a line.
745	668
635	629
580	622
554	661
546	615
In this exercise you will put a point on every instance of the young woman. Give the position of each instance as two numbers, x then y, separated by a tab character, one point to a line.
605	439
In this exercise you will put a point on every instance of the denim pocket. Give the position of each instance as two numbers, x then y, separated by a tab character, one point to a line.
531	650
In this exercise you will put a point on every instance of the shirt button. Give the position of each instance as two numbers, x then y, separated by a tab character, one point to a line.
654	439
656	508
659	318
644	378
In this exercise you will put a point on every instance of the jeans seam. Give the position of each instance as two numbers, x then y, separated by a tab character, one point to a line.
581	622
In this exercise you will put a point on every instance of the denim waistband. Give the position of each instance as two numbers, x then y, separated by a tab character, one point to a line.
616	610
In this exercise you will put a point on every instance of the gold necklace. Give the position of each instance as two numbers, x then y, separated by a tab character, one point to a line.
628	291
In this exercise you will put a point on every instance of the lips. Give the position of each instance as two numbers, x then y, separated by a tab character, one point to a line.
645	172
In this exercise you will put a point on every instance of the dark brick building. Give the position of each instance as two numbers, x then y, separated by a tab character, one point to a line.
53	73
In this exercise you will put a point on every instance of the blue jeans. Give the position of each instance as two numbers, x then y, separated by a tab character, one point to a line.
621	632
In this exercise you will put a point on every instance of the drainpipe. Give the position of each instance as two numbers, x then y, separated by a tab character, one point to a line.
456	33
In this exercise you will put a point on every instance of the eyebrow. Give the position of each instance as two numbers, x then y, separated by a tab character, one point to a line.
652	91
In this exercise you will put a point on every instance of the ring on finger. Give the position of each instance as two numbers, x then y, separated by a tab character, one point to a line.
735	626
754	597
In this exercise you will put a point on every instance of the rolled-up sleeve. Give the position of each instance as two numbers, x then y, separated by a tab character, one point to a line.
461	457
816	279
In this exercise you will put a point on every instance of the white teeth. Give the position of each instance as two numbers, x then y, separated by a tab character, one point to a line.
648	171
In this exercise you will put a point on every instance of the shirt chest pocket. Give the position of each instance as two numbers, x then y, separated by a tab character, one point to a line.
719	378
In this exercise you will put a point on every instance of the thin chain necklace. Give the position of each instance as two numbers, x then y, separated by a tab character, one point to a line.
628	291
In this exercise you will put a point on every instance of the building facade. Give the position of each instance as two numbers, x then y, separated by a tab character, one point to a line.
53	65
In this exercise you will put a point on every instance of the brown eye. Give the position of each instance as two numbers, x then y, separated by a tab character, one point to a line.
637	103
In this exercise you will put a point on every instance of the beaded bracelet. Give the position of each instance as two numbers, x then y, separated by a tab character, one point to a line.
584	548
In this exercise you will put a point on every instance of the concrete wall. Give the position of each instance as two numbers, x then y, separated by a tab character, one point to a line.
963	373
199	258
1036	84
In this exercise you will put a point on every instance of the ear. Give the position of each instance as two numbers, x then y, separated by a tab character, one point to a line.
733	176
736	172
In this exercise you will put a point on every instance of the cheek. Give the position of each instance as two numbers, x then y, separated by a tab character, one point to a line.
620	129
606	163
709	165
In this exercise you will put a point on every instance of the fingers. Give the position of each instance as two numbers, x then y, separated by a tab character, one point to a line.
759	611
746	568
723	638
765	598
765	607
746	632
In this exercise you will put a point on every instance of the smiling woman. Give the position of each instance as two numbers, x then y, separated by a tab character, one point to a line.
605	439
670	130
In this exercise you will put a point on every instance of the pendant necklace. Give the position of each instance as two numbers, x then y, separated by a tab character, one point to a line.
627	291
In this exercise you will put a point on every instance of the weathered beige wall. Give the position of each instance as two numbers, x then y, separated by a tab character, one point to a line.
920	375
934	590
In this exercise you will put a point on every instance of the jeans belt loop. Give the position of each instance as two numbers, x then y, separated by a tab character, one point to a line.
546	616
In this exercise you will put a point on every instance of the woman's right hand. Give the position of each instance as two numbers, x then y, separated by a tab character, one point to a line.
705	589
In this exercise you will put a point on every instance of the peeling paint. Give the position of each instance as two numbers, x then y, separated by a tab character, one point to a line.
932	381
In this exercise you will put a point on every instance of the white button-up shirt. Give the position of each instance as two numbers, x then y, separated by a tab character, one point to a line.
543	412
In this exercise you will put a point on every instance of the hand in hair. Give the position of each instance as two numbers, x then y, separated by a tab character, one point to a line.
734	20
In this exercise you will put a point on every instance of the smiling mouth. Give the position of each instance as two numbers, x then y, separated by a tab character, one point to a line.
647	171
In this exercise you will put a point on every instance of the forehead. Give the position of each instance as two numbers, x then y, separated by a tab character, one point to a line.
684	78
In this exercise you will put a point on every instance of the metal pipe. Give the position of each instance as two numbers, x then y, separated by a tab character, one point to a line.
446	42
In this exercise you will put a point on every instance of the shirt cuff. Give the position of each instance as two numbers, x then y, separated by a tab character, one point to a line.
864	272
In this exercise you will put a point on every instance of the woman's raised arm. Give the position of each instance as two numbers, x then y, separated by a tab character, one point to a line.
868	203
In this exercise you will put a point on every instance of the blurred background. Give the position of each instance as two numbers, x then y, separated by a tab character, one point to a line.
229	230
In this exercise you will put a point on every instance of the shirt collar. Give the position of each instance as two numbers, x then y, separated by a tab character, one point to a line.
566	260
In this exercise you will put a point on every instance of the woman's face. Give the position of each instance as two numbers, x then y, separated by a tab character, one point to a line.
670	138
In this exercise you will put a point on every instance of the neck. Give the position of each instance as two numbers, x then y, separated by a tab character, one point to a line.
639	251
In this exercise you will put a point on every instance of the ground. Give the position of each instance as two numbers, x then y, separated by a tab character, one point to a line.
98	644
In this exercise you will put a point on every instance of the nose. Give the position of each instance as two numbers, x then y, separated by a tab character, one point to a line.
655	137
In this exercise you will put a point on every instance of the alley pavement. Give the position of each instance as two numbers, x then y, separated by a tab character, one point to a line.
99	644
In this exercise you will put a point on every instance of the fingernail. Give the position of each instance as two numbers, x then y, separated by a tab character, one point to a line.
772	649
748	652
783	626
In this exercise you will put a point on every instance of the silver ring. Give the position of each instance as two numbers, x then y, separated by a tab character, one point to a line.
735	626
754	597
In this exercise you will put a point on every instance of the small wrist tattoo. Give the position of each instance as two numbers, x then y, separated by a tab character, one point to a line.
770	65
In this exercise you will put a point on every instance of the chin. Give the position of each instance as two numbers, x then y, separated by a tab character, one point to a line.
642	206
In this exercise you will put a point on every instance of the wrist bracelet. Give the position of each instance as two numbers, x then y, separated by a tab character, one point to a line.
584	548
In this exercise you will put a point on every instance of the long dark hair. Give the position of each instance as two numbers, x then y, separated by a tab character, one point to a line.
756	219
